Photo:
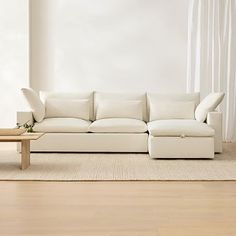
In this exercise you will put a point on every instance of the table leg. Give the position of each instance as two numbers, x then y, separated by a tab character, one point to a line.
25	154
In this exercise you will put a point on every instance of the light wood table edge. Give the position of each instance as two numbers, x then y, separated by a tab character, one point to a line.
25	145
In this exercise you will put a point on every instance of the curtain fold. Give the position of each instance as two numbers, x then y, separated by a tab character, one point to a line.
212	55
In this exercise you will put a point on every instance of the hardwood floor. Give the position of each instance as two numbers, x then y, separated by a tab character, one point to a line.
118	208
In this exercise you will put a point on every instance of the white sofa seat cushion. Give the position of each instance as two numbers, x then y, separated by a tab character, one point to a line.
191	128
118	125
62	125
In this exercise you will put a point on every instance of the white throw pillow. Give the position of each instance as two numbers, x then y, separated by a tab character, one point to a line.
72	108
80	95
121	96
36	105
119	109
208	104
176	97
166	110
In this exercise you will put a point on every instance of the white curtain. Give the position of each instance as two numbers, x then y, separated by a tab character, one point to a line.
212	55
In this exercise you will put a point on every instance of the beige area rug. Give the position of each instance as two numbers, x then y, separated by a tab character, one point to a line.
103	166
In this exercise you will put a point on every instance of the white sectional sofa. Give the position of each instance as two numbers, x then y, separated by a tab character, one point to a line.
165	125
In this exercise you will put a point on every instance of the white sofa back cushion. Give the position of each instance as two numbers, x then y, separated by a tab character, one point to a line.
70	96
164	106
208	104
36	105
70	108
171	110
125	97
119	109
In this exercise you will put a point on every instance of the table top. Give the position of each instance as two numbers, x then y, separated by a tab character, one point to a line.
25	136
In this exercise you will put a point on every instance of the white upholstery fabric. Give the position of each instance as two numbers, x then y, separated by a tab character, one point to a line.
180	97
214	120
208	104
90	142
35	103
118	125
25	116
44	95
191	128
100	96
153	98
73	108
119	109
171	110
62	125
176	147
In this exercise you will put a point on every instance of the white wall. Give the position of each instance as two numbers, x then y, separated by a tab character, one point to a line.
109	45
13	58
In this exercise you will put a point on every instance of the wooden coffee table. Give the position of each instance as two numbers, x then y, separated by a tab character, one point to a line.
25	145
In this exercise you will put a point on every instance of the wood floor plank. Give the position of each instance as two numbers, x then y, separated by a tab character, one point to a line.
118	208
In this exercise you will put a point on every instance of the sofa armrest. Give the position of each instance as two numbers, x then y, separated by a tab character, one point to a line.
24	116
214	119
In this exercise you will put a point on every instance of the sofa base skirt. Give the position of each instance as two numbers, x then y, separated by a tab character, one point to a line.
177	147
90	142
